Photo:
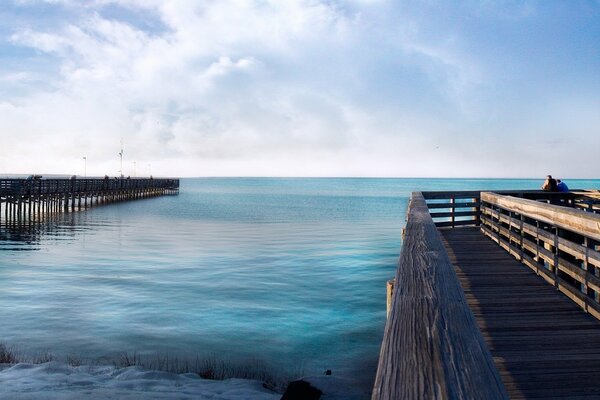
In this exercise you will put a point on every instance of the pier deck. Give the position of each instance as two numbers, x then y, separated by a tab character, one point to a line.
496	296
543	344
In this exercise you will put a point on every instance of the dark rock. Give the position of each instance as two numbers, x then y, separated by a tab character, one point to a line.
301	390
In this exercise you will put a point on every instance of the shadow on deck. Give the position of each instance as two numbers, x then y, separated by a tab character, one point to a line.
542	343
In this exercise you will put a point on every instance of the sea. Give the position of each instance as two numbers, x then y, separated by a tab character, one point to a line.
289	273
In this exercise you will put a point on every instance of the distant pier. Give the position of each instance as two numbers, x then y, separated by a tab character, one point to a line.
496	296
30	199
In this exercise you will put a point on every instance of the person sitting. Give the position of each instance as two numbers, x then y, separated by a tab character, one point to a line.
550	184
561	186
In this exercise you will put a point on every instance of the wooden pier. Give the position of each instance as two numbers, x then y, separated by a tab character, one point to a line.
496	296
29	199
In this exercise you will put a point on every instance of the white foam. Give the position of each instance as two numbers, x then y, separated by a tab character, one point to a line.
54	380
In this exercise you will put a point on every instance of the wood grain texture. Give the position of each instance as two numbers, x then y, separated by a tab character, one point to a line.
543	344
432	347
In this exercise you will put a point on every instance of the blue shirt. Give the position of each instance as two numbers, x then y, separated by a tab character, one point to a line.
562	187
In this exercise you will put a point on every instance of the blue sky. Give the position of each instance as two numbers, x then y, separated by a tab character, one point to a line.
301	88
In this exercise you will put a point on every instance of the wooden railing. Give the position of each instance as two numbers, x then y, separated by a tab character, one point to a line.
559	243
588	200
460	208
37	187
453	209
432	347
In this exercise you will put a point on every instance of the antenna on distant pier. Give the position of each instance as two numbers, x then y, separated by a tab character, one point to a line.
121	157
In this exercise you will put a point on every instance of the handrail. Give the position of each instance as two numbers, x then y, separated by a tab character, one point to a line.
561	244
579	221
432	347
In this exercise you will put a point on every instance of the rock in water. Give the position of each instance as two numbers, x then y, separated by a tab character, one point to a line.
301	390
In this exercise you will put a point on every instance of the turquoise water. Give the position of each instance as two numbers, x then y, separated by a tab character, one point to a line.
290	272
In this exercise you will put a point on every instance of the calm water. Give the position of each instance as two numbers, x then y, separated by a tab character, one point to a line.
288	271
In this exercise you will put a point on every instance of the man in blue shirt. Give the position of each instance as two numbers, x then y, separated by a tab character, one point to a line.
561	186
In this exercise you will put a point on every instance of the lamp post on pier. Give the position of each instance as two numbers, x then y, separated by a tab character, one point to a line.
84	166
121	160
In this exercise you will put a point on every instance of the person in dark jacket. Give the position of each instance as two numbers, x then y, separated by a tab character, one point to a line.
550	184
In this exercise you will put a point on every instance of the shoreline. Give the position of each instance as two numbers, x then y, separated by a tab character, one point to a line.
209	367
135	377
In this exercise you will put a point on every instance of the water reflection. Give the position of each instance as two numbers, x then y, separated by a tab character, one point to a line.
28	235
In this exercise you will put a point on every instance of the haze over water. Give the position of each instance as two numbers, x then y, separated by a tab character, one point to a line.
290	272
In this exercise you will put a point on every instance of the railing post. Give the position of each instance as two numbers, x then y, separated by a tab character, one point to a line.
389	295
586	265
521	237
556	260
452	209
537	247
498	225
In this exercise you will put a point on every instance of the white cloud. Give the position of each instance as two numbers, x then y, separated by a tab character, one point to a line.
239	87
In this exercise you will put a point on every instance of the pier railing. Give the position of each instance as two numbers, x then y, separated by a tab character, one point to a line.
559	243
453	208
27	200
432	348
36	187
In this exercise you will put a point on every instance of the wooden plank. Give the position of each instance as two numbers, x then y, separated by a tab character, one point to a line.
453	213
432	347
470	204
442	224
458	194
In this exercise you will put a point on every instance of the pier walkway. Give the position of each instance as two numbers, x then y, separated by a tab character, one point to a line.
27	200
543	344
496	296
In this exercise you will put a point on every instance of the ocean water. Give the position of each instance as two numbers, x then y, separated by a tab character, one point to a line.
289	272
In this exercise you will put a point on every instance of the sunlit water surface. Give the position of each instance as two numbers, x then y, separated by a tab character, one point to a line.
290	272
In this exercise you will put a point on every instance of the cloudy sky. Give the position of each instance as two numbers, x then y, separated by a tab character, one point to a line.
301	88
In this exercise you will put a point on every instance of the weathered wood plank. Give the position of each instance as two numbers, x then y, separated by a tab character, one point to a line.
442	224
462	194
471	204
454	213
432	347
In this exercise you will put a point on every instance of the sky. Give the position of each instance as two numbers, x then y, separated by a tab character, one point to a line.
300	88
